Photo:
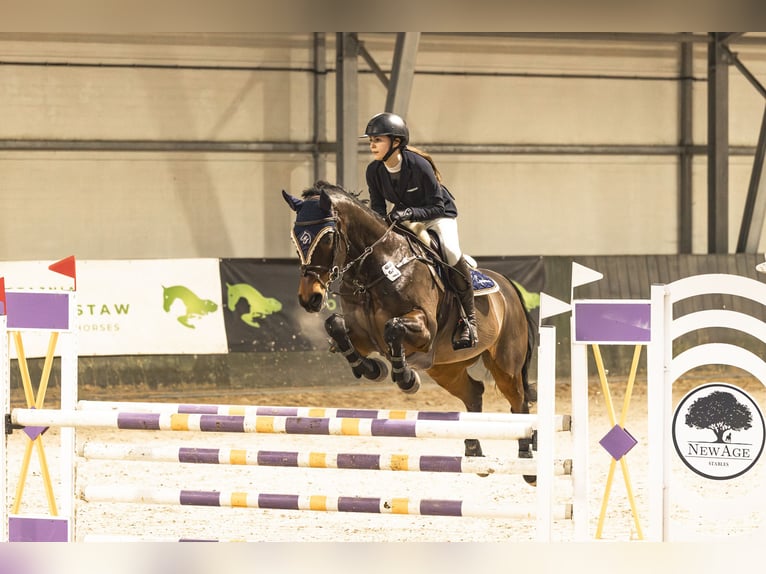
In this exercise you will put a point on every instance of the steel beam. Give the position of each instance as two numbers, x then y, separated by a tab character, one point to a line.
331	147
755	204
402	72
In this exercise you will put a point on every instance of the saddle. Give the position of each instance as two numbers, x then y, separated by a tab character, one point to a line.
429	240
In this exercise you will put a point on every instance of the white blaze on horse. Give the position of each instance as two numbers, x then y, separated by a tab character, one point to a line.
395	303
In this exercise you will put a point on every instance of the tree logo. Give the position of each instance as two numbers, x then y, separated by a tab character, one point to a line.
718	431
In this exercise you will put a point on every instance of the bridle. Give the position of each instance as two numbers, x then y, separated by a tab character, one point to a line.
307	268
334	271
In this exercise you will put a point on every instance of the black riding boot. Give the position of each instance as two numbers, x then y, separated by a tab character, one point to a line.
460	276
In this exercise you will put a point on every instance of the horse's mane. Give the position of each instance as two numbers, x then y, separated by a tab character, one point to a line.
331	189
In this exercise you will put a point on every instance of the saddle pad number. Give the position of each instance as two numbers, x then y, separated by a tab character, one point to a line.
391	271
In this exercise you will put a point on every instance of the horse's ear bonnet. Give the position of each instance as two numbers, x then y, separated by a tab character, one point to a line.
293	202
313	221
324	202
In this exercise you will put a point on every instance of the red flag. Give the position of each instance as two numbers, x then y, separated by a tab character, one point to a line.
66	267
2	296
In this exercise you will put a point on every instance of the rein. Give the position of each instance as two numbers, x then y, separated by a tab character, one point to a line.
360	288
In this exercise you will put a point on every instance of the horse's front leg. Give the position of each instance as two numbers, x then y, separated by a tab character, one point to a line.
372	369
410	329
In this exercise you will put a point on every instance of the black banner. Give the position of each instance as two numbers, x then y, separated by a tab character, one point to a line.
262	314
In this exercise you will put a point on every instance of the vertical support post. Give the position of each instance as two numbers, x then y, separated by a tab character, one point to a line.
659	353
319	127
580	439
546	409
347	98
5	404
718	145
68	351
686	157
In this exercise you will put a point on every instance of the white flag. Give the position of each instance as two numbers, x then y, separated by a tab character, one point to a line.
582	275
550	306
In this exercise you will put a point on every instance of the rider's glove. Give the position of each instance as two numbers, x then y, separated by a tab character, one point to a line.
399	215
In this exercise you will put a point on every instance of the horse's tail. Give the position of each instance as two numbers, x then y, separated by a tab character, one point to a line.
530	396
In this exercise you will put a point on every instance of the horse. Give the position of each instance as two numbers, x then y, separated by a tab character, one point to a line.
395	303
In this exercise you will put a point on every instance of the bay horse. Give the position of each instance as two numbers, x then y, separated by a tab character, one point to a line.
394	302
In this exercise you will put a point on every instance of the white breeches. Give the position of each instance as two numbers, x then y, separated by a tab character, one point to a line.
446	227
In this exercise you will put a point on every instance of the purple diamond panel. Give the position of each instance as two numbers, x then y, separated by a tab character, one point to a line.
618	442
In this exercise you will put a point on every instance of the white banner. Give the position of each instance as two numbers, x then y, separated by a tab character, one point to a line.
133	307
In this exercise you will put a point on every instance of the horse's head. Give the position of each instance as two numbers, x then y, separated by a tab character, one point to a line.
316	238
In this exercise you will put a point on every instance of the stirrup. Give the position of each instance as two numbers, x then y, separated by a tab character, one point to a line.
458	341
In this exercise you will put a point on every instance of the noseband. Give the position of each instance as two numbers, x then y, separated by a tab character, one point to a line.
306	243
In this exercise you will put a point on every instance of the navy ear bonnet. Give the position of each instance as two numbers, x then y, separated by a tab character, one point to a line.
311	224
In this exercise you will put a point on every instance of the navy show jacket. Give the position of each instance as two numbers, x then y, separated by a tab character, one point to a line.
417	189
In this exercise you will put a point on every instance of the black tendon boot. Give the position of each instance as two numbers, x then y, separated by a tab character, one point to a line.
465	335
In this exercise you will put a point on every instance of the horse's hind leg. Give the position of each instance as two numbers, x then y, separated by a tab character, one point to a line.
512	387
372	369
455	379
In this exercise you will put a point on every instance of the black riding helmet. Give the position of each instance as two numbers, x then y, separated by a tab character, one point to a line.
388	124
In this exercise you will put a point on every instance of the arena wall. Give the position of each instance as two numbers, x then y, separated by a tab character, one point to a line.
74	105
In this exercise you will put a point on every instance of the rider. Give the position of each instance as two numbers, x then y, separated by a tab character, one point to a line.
408	178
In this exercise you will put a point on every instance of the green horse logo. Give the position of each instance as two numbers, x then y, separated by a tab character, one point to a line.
260	306
531	300
195	306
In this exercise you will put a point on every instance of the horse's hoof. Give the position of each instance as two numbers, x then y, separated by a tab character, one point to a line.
526	452
382	371
413	387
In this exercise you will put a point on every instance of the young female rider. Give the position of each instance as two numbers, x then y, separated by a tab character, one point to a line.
408	178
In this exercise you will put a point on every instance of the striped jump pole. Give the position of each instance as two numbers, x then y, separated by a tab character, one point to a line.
561	422
339	460
273	424
316	502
